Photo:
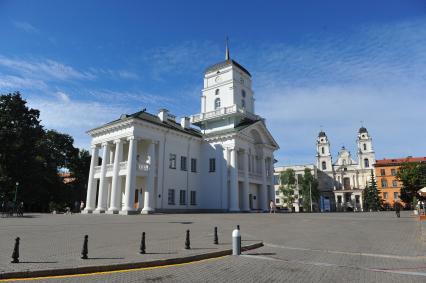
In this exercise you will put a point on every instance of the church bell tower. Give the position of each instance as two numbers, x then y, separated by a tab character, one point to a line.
324	159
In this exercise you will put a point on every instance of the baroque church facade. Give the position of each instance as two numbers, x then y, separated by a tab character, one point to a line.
346	178
143	163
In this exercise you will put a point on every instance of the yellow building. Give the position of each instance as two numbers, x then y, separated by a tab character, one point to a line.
388	185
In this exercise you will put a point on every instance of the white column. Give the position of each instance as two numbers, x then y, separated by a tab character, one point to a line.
91	186
225	196
246	184
264	201
148	201
103	184
116	182
129	194
271	179
361	202
234	205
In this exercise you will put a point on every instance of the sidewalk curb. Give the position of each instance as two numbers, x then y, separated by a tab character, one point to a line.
122	266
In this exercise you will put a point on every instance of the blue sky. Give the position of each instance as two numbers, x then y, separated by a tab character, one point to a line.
314	63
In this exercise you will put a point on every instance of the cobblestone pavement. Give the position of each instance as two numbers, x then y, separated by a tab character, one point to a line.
335	247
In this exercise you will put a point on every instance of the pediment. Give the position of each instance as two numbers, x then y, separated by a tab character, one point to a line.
259	133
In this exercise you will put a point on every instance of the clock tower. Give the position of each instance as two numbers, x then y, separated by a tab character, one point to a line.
227	96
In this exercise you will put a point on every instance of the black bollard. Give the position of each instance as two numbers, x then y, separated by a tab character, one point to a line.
238	227
216	240
15	254
143	247
85	251
187	242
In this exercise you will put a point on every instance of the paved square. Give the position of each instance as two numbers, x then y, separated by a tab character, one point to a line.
334	247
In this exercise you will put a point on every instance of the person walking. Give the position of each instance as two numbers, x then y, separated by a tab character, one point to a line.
81	206
397	209
271	206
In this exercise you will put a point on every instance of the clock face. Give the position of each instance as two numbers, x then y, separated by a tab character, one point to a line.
218	79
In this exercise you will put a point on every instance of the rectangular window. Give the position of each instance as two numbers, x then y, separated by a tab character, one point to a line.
171	197
212	165
182	197
393	172
382	172
384	183
395	196
394	183
183	163
277	200
193	198
277	193
193	165
172	161
385	195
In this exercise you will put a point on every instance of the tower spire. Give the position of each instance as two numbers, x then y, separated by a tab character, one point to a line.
227	57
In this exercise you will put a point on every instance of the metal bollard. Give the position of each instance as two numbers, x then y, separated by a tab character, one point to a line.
85	251
236	242
143	247
15	254
216	239
238	227
187	241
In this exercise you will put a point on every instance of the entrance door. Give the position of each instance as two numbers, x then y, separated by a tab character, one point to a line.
251	201
346	183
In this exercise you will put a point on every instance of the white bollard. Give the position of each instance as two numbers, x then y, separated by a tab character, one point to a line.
236	242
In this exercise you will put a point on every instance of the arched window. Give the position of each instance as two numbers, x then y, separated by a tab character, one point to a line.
322	150
324	165
243	103
217	103
216	92
366	163
344	161
243	93
365	146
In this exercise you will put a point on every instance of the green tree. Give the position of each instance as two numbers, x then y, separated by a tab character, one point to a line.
79	169
371	195
413	178
309	190
288	184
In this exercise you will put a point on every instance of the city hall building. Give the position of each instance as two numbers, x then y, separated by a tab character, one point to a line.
154	163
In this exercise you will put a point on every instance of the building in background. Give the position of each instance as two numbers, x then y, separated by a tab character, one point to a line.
387	183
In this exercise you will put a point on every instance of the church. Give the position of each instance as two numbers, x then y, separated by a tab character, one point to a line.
221	159
345	178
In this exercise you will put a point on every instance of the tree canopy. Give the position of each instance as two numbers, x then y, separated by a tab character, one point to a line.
32	156
412	175
287	187
371	195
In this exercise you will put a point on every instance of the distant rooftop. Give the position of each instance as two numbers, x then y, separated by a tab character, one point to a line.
397	161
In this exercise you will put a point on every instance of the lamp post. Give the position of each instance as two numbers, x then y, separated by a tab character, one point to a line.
16	191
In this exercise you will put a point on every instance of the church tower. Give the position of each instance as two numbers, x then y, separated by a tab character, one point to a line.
324	160
366	155
227	96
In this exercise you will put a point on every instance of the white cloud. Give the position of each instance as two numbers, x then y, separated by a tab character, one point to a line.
26	27
14	83
63	96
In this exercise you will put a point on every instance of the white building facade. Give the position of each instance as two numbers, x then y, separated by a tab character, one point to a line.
143	163
346	178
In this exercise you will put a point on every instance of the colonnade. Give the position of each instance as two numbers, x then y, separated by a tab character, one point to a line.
116	204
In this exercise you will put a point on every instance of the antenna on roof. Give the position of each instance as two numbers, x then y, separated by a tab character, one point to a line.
227	49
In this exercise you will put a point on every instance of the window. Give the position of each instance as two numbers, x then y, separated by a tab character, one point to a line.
217	103
277	200
193	198
395	196
324	165
172	161
217	92
322	150
394	183
365	146
384	183
344	161
182	197
212	165
193	165
243	93
393	172
277	193
243	103
382	172
183	163
171	197
276	179
366	163
385	195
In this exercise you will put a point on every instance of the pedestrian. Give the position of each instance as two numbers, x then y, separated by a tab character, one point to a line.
397	209
81	206
271	206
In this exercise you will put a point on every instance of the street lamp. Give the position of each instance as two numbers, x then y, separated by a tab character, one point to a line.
310	193
16	190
